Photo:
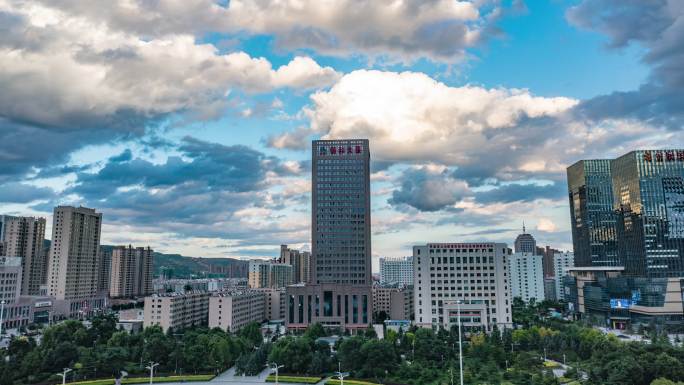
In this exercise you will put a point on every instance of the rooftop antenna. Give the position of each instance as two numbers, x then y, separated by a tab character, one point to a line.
524	227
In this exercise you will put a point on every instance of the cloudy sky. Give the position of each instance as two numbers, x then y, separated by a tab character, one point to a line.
188	123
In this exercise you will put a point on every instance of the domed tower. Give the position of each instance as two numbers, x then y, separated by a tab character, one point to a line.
525	243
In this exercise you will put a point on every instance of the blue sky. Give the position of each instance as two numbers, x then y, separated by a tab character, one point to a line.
189	124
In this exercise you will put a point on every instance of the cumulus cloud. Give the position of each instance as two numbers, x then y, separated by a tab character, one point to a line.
69	78
428	188
485	134
441	30
546	225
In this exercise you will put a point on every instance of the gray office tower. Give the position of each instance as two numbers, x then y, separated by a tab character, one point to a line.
594	236
339	291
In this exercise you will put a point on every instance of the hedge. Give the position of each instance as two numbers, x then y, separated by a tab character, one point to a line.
144	380
294	379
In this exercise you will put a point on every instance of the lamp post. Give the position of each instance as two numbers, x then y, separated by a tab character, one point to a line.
340	374
63	374
460	342
2	310
151	367
275	368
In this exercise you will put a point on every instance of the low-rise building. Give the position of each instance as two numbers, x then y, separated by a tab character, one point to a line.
177	311
396	301
274	308
231	311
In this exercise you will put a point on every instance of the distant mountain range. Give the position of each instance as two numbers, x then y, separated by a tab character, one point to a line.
180	266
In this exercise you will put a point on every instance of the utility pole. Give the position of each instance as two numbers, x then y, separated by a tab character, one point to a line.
340	374
151	367
63	374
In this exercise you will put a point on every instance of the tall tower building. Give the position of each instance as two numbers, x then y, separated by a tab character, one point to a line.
339	291
131	272
23	237
594	235
525	243
648	196
340	212
73	262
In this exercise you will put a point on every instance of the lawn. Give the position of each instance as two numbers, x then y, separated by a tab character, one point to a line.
144	380
294	379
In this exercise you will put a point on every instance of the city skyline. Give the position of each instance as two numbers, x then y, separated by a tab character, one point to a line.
471	135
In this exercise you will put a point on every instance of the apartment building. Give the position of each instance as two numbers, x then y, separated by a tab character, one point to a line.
23	237
231	311
527	276
177	311
131	272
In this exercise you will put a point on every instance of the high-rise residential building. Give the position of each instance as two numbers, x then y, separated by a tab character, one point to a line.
10	279
648	196
131	272
23	237
104	270
266	273
562	262
396	301
339	292
396	271
231	311
73	261
300	262
594	233
547	261
527	276
177	311
525	243
470	277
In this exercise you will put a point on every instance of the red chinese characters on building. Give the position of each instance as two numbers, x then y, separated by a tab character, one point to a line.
333	150
358	149
341	150
647	156
680	155
659	156
669	156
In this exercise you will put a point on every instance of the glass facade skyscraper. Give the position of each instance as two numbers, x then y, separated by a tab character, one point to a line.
590	193
338	293
340	225
648	191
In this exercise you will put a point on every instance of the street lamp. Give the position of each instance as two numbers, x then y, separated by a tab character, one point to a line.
460	342
275	367
2	309
63	374
151	367
340	374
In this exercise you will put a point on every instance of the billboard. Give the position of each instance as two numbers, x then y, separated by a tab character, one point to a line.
620	303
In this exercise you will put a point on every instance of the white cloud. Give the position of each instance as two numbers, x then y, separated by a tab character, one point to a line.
407	30
507	134
59	68
546	225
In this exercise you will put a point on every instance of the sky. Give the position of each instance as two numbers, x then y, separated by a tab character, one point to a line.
188	123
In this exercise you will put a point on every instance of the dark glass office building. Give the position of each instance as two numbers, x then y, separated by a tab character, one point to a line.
592	216
339	291
340	212
648	191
